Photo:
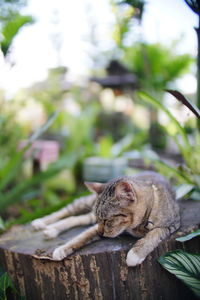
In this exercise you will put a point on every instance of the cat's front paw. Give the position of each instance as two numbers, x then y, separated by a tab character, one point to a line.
61	252
133	259
50	233
38	224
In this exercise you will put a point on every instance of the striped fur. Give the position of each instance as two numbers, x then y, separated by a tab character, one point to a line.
144	206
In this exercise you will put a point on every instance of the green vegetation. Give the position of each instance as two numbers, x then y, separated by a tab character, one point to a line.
156	66
187	174
85	122
11	21
194	5
185	266
11	192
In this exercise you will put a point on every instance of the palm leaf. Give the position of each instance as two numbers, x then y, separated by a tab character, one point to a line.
185	266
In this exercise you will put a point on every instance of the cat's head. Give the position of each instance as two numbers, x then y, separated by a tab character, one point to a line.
115	207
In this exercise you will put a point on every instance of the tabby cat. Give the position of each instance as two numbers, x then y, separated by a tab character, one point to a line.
143	205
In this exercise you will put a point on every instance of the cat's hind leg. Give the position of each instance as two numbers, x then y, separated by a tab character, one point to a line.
76	243
53	230
78	206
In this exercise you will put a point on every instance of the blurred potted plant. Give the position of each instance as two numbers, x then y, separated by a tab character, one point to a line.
110	162
106	165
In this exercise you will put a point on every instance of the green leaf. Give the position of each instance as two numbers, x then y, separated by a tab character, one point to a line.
11	28
183	189
185	266
170	171
189	236
5	283
2	227
122	145
105	146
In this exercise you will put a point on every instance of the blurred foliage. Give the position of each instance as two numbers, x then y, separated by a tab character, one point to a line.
11	21
14	185
79	134
118	123
11	132
155	65
83	127
122	25
195	7
10	7
11	28
157	136
125	12
188	172
5	285
108	149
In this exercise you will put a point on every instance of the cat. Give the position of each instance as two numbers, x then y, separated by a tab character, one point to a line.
143	206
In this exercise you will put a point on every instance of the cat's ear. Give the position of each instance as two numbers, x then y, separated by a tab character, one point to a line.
124	190
96	187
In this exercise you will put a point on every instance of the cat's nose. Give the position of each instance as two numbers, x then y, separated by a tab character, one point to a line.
100	229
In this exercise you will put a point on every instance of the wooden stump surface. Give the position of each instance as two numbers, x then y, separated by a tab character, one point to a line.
97	271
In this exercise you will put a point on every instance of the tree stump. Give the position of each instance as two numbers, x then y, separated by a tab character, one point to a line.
98	271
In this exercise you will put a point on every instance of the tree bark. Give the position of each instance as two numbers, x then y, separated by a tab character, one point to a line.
98	271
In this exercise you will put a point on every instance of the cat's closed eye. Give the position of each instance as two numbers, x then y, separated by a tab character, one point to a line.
109	223
120	215
117	219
